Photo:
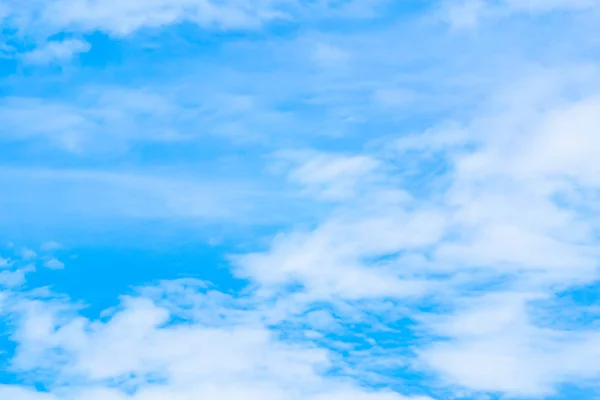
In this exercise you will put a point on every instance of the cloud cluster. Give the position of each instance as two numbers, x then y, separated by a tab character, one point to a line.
42	19
492	250
496	238
147	349
439	260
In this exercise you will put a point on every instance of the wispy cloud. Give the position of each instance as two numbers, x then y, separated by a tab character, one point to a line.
122	18
469	13
97	195
100	120
53	263
56	52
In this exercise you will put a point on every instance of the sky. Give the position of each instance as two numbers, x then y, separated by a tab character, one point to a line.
299	200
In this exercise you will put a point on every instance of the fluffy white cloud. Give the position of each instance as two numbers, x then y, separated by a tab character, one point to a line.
332	259
509	222
495	346
512	223
343	255
138	352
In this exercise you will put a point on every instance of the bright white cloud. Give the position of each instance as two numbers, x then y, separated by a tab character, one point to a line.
329	261
498	218
137	346
496	347
508	223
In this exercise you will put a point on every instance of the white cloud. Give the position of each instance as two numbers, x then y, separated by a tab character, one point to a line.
553	153
333	177
56	52
339	257
469	13
13	274
508	219
12	278
27	254
97	196
121	18
138	348
491	237
100	119
506	212
21	393
53	263
495	346
464	13
329	261
547	5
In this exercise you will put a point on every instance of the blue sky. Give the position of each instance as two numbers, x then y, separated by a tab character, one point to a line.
299	200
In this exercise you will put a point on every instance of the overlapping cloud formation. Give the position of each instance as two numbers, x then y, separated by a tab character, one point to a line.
412	193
